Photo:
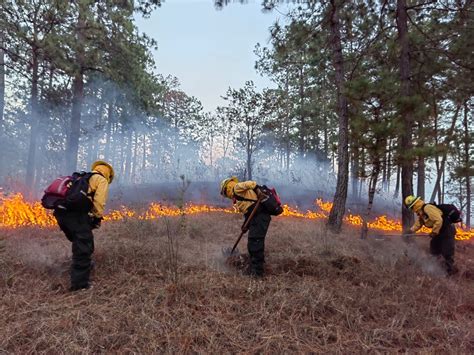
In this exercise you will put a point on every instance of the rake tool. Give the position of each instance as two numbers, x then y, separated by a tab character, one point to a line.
231	252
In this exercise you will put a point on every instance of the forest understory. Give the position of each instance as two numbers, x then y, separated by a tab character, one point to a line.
164	286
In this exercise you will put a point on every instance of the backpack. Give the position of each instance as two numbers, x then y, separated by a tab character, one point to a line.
69	193
450	212
271	201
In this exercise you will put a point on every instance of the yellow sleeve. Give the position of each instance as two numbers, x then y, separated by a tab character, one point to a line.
244	186
435	215
100	187
418	224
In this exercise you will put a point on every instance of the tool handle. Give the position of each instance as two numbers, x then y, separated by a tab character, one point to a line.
244	227
247	222
237	242
404	235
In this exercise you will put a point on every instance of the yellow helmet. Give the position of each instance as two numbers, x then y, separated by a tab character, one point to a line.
102	162
224	184
411	200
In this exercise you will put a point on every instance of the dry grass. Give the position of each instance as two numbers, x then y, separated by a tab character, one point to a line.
323	293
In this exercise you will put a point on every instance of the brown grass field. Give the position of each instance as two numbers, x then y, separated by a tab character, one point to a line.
163	286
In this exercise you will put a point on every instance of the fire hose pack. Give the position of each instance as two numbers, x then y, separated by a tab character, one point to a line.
69	193
270	200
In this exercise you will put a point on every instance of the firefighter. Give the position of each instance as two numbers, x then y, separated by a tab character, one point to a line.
442	233
244	195
78	225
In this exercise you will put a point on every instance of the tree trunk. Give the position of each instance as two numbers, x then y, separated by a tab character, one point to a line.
362	168
397	183
123	165
376	153
287	145
128	157
443	186
98	131
437	186
249	164
339	204
135	158
211	149
2	98
114	146
75	128
406	111
420	171
389	166
93	150
372	187
467	163
2	82
302	137
77	93
39	171
108	130
355	173
326	135
420	183
436	137
144	155
35	122
384	172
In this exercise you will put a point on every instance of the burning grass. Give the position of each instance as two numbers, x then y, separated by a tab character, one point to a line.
322	293
16	212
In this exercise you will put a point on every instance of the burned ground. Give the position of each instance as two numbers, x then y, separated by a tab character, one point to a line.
322	293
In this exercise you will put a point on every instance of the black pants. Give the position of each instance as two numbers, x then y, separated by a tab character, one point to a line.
443	244
256	241
78	230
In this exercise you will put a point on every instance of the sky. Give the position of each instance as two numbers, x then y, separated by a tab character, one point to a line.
209	50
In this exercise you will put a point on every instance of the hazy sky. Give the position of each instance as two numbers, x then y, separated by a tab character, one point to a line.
209	50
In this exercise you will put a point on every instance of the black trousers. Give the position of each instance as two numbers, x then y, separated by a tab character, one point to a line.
443	244
78	230
258	228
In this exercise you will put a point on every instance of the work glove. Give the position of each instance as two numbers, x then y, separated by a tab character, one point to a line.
258	190
260	194
95	222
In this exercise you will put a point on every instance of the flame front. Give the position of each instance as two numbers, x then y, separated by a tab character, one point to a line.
16	212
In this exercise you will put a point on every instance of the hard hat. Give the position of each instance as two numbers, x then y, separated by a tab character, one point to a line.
225	182
102	162
411	200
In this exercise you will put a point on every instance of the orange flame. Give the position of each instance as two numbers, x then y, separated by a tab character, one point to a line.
15	212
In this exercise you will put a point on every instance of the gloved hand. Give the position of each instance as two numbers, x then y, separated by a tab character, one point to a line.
95	222
260	192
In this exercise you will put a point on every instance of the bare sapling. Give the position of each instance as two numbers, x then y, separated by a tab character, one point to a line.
173	234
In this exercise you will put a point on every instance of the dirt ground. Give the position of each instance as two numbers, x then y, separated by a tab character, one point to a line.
164	286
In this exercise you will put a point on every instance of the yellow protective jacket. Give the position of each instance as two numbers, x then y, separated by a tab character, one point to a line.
244	189
99	189
429	216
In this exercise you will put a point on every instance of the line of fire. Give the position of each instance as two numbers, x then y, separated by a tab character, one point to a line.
16	212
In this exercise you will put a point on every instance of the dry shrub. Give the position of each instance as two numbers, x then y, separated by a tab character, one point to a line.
322	293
